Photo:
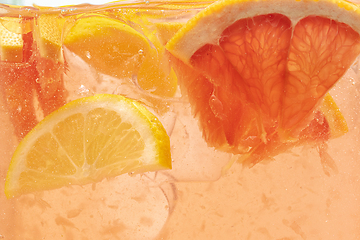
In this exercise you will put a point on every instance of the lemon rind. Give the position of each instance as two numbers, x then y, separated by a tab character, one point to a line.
157	144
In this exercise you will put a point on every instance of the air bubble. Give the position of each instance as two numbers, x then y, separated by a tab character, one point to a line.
83	91
141	51
217	107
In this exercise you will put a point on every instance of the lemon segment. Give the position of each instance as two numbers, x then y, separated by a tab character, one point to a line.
111	46
50	33
85	141
166	30
334	117
11	43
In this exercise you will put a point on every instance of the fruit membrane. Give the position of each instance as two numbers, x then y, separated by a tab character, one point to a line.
51	56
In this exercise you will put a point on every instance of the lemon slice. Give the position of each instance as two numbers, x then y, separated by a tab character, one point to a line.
86	141
334	117
49	36
111	46
11	43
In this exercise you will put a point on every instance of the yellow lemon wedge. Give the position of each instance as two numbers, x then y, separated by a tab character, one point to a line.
86	141
166	30
111	46
11	43
115	48
49	33
334	117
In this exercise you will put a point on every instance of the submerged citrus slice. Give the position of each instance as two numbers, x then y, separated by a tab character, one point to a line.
260	68
115	48
109	45
49	31
86	141
50	62
11	43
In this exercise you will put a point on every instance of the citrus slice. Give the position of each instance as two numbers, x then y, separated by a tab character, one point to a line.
166	30
17	73
50	27
259	68
109	45
50	62
334	117
115	48
32	47
86	141
11	43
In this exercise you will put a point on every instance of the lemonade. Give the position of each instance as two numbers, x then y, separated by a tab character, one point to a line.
256	103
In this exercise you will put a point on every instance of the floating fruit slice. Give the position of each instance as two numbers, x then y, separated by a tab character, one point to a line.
328	122
166	30
50	62
86	141
109	45
18	74
259	69
11	43
115	48
32	68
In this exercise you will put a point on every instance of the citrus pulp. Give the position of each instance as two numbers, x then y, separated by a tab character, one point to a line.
86	141
258	69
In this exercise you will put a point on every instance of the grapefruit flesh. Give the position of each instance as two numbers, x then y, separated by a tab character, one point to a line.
32	84
264	79
18	86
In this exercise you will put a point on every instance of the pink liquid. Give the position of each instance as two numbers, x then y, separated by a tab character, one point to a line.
206	195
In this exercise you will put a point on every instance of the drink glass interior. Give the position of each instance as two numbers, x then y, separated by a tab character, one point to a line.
207	194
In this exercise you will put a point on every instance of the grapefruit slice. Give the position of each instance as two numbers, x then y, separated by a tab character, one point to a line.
18	75
256	71
32	68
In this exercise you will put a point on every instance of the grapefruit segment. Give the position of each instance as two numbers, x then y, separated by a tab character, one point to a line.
224	97
263	69
18	83
321	51
257	47
18	91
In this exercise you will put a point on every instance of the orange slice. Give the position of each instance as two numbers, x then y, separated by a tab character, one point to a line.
259	68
